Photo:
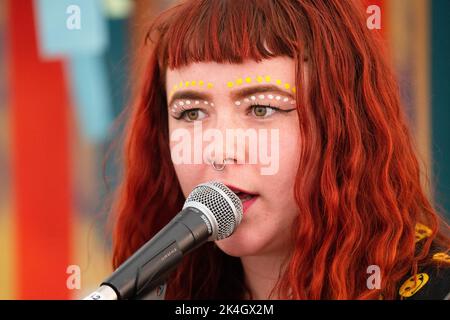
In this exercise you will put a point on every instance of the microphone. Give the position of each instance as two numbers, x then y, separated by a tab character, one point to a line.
211	212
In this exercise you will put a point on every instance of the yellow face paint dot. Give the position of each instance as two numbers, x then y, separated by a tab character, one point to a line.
259	79
187	83
278	82
267	79
209	85
180	84
287	85
248	79
201	83
239	81
294	90
175	88
230	84
413	284
193	83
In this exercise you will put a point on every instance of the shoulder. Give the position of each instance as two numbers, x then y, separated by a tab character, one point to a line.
430	283
432	280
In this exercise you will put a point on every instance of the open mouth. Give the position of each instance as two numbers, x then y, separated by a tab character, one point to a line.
247	198
243	195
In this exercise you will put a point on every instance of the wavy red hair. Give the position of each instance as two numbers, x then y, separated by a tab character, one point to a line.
358	184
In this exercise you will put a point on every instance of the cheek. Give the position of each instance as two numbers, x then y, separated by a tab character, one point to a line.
289	150
187	176
178	147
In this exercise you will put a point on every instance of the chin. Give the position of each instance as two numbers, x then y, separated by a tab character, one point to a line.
238	245
235	251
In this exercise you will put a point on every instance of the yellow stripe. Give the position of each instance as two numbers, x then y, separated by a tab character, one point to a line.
409	41
90	254
421	84
7	256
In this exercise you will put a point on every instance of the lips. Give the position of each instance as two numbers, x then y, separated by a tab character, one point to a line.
242	194
247	197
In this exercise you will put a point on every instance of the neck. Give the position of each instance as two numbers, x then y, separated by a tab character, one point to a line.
261	274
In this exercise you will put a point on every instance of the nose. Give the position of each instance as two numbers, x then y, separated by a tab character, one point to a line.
226	148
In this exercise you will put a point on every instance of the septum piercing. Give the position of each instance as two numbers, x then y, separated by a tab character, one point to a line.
222	167
213	163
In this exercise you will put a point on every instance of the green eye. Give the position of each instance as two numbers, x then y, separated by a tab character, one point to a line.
263	111
192	115
260	111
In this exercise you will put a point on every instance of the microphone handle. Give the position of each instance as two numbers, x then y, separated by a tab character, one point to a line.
148	267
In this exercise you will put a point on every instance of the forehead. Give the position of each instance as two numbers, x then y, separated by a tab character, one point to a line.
222	76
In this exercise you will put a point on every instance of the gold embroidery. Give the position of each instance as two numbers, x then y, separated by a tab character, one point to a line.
422	231
413	284
441	256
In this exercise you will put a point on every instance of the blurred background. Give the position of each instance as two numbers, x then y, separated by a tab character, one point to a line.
66	69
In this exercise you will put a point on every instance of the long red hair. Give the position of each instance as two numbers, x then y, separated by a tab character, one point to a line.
358	184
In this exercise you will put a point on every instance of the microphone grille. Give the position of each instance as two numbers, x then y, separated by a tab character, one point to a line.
223	203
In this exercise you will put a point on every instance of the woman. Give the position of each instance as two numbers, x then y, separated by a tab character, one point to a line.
345	196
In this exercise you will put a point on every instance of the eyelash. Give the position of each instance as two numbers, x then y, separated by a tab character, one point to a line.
182	112
268	106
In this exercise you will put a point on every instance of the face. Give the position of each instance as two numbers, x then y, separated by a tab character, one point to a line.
209	105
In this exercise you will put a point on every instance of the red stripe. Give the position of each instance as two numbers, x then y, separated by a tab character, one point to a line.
42	196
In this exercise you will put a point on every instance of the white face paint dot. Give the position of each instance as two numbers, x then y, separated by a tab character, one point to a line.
277	98
270	96
212	104
253	98
206	102
261	96
285	99
181	103
246	100
188	102
238	103
197	102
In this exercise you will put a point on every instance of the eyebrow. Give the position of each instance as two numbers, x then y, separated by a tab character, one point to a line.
235	94
244	92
